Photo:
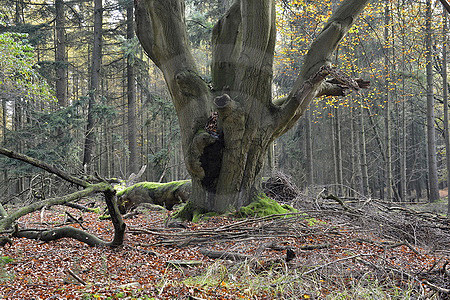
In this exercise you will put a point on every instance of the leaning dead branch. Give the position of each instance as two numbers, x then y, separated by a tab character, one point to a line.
65	232
44	166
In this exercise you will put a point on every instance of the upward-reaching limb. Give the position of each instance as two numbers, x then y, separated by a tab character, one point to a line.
310	81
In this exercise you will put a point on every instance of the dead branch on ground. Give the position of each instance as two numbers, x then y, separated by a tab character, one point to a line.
65	232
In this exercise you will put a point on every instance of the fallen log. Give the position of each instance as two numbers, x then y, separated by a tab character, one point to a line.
164	194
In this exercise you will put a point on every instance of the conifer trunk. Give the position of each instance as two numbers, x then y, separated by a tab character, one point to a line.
131	93
431	131
60	54
94	89
445	102
387	121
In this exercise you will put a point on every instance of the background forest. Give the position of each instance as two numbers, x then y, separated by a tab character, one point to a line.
77	91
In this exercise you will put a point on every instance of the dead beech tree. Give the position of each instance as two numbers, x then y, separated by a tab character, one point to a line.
224	152
7	220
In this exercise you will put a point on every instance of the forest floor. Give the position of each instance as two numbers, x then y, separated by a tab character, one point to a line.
327	251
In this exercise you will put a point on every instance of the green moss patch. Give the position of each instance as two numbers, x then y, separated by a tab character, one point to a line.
264	206
187	212
169	186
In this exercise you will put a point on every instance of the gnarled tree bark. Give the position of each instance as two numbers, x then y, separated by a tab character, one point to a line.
225	164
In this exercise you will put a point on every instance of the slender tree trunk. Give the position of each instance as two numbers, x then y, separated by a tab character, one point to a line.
358	183
148	148
388	163
396	182
445	100
19	145
404	150
60	54
4	130
131	93
334	150
18	16
4	120
355	175
431	131
338	148
95	82
309	152
417	156
364	172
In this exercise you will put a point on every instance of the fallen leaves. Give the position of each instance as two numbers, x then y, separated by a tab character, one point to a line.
149	265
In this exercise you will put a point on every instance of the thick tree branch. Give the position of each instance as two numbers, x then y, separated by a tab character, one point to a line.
163	194
254	74
293	107
312	74
446	5
71	232
40	164
162	31
226	46
59	233
333	87
116	218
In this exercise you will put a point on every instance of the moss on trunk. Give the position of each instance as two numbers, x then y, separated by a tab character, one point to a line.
264	206
260	207
163	194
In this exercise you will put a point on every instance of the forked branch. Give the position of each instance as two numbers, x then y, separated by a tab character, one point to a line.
313	73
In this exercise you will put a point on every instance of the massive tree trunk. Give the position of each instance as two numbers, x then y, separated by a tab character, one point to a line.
224	152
